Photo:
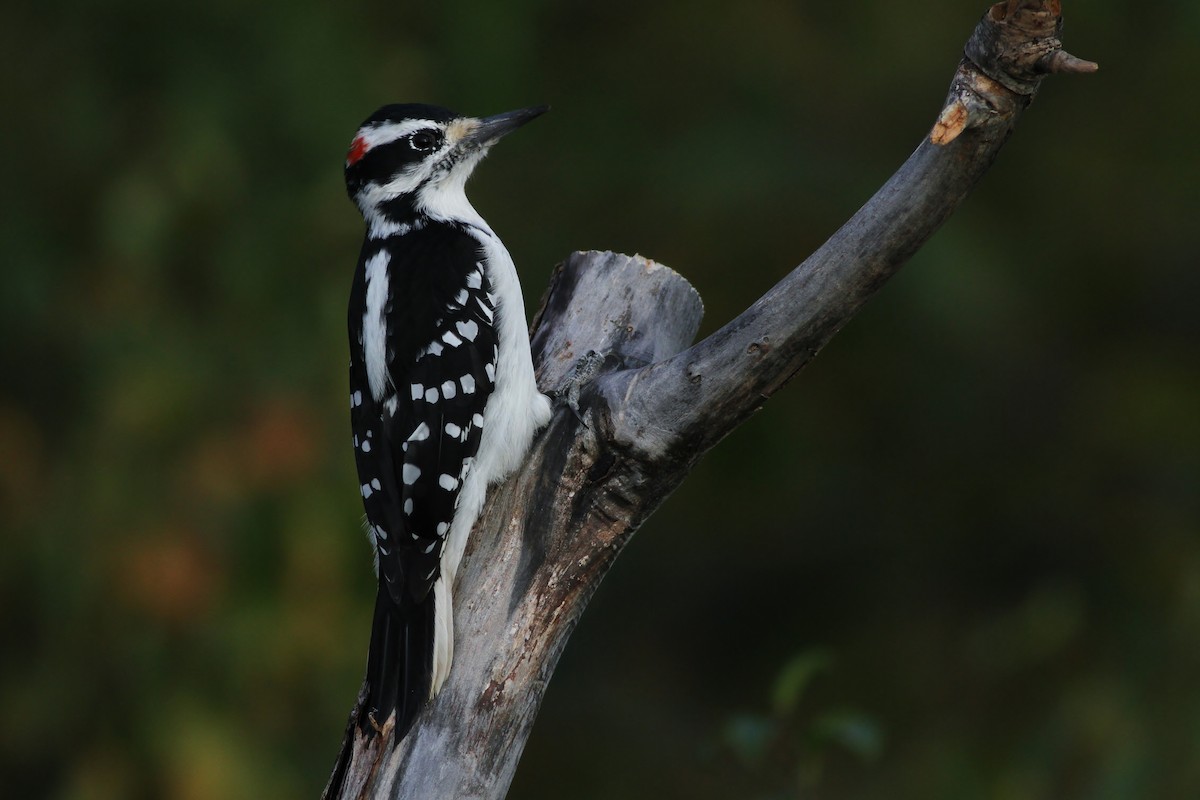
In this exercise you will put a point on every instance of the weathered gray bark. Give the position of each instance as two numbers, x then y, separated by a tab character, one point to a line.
654	406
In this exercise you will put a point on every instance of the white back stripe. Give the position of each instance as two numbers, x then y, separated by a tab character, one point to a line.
374	324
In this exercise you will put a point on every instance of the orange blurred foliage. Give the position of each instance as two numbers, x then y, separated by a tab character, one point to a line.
275	446
169	576
21	464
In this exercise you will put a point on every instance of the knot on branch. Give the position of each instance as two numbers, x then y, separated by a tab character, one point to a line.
1017	44
966	107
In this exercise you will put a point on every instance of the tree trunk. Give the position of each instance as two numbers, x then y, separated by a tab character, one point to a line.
650	407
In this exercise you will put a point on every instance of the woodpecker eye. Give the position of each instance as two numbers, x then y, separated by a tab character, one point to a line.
423	140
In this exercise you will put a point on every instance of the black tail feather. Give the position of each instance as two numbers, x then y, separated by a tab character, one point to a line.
399	664
399	671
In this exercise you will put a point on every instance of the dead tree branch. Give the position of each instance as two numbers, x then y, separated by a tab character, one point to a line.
654	405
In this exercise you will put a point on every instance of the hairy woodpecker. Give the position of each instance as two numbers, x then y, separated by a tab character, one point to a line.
442	395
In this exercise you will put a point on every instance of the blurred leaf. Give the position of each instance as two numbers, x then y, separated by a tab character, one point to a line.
750	738
794	678
855	731
1046	622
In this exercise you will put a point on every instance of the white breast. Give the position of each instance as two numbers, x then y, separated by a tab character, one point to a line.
514	413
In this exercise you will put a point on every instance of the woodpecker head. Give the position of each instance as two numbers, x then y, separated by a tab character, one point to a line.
412	158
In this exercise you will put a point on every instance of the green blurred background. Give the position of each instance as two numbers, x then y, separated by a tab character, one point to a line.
959	556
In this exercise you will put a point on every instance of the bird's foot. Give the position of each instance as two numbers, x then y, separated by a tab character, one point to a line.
585	371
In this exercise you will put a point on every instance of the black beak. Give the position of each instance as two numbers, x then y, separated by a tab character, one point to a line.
490	129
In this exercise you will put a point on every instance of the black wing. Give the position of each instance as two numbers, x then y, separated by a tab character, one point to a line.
414	446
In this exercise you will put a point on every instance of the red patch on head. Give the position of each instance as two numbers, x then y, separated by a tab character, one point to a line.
358	149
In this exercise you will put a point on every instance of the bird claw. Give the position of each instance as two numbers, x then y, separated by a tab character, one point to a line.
585	371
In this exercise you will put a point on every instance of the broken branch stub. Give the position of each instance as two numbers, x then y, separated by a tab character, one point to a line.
1017	44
